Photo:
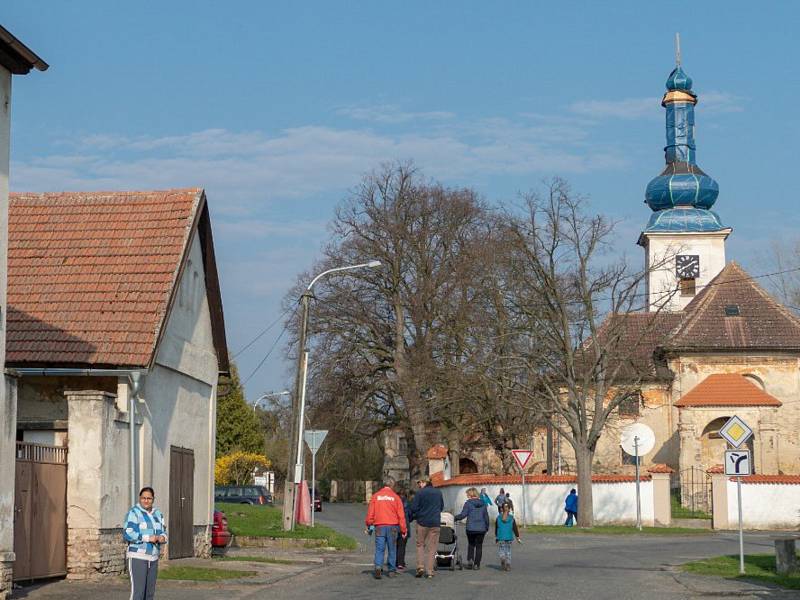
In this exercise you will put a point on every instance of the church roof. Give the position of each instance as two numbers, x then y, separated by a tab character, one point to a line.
726	389
733	312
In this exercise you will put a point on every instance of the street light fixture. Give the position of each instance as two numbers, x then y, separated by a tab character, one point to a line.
299	402
269	395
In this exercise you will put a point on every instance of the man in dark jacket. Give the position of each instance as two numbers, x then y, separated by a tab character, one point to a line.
426	510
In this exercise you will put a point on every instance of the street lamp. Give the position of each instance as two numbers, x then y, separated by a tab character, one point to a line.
299	402
269	395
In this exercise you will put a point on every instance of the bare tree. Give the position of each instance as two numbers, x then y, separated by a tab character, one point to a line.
575	300
375	333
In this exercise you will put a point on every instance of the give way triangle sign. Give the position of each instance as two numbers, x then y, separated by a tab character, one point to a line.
522	457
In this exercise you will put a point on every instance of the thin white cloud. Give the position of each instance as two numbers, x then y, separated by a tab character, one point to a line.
712	102
391	113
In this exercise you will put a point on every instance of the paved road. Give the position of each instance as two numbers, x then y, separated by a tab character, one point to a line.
562	567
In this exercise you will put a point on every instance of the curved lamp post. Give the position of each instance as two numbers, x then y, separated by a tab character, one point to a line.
269	395
294	474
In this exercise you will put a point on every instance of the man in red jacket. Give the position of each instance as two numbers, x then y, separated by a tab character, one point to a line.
387	518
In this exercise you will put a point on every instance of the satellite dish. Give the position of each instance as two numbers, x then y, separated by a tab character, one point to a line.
644	438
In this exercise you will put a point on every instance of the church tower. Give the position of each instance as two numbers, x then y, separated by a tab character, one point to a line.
684	241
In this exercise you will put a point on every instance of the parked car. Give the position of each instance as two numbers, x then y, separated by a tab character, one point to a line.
220	534
242	494
317	503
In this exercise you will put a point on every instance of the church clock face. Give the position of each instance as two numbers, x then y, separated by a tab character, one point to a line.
687	266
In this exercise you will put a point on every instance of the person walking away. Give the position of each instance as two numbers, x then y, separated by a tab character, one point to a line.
406	497
146	534
485	497
571	506
509	502
426	509
505	531
386	514
498	501
477	516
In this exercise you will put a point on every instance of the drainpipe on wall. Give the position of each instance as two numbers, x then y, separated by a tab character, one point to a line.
135	378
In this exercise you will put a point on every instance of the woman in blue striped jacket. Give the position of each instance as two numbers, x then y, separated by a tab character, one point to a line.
145	532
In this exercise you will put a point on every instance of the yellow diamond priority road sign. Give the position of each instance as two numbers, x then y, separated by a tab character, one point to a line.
736	431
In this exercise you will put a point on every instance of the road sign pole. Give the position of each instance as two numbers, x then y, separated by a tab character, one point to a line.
313	484
523	498
638	495
741	535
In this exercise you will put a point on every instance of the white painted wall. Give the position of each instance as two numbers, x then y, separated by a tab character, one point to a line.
180	395
614	503
8	413
764	506
659	256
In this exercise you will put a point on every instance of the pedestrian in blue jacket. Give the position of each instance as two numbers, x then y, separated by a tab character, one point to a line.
146	534
485	497
571	506
477	525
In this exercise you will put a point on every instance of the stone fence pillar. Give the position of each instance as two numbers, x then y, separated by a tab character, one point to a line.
719	499
92	549
334	496
662	510
368	491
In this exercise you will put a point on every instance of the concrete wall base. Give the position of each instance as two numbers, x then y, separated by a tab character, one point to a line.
95	553
6	570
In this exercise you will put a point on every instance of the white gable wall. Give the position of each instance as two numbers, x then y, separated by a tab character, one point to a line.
180	395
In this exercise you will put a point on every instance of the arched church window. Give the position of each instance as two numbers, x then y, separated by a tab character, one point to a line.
630	406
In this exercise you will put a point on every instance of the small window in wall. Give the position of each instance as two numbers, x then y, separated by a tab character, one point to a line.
402	444
688	287
630	405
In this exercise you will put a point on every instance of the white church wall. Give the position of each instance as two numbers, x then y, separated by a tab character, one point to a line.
614	503
765	505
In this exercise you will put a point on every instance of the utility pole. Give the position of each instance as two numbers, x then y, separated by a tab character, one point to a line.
290	487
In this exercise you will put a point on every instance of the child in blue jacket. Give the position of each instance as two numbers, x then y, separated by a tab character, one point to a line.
505	531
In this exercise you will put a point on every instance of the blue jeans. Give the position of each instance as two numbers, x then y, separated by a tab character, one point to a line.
386	540
570	516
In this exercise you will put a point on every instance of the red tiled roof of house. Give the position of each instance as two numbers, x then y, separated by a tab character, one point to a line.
660	468
437	451
91	275
762	323
715	469
774	479
726	389
488	479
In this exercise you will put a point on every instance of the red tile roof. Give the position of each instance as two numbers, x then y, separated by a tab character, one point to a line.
488	479
91	275
762	324
660	468
715	469
437	451
727	389
774	479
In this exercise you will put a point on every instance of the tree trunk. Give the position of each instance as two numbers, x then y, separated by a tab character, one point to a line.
583	459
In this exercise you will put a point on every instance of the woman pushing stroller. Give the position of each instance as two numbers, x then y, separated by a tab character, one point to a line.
477	525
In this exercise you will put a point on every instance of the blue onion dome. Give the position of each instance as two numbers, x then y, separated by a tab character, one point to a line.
682	186
679	80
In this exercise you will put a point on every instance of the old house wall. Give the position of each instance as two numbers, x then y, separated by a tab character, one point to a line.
775	445
179	396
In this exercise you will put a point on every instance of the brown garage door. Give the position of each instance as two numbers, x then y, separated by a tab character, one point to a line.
181	502
40	511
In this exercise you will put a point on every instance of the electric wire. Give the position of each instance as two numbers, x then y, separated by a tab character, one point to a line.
274	345
263	331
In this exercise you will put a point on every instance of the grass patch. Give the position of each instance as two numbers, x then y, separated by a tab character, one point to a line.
682	512
257	559
759	568
201	573
267	521
614	530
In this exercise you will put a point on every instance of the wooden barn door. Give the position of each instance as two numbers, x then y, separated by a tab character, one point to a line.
181	502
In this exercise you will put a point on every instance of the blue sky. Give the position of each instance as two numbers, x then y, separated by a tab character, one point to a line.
276	109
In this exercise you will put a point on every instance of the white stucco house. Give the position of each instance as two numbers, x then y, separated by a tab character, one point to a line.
116	337
15	59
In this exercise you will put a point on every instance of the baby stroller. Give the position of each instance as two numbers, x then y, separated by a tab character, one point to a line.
447	553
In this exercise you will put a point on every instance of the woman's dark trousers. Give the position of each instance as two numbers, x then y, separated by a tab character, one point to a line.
401	551
475	549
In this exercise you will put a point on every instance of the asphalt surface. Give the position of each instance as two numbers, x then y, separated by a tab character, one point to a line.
562	567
